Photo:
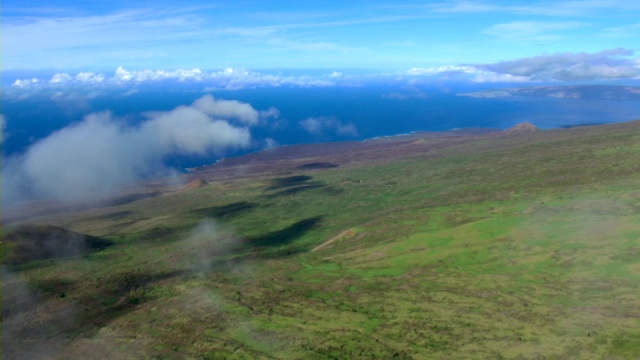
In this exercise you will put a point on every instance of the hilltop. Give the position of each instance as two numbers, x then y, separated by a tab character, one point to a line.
467	244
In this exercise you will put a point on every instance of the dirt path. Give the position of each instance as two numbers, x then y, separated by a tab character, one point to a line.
345	234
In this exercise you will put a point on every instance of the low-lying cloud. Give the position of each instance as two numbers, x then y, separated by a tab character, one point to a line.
95	158
227	109
608	64
229	78
614	64
328	125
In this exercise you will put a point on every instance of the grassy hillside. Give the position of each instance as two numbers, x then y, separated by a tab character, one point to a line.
519	245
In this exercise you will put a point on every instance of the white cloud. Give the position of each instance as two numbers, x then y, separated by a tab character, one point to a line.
25	39
346	129
271	113
98	156
322	125
270	143
90	77
21	83
60	78
123	75
313	125
490	77
227	109
227	79
447	69
232	79
466	72
608	64
528	31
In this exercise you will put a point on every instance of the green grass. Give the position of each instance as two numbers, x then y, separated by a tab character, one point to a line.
522	246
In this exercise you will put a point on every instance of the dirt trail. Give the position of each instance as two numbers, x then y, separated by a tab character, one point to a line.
345	234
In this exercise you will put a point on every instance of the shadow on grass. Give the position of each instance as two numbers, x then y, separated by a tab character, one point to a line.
294	190
289	181
225	211
51	310
30	242
317	166
119	293
285	236
293	185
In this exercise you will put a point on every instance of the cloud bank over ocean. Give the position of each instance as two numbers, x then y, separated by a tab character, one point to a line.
619	64
96	157
319	126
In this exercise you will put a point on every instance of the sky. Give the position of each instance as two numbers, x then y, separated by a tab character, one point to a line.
100	36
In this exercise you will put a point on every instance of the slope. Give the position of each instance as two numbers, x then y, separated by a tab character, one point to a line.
516	245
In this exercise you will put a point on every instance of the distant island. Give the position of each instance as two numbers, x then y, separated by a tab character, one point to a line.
595	92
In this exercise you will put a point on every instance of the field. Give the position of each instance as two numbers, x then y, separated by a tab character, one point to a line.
461	245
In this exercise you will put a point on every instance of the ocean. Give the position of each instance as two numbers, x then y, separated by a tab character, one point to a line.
371	111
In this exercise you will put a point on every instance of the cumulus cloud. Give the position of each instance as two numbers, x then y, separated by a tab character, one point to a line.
21	83
90	77
608	64
472	73
231	79
323	125
98	156
60	78
227	109
226	79
447	69
156	75
83	77
272	113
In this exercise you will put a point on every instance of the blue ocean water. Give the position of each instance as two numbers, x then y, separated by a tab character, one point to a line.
373	110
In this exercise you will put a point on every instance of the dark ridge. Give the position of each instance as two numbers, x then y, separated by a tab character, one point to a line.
286	235
317	166
225	211
41	242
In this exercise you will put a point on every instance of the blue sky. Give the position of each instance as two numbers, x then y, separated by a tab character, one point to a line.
101	35
245	43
